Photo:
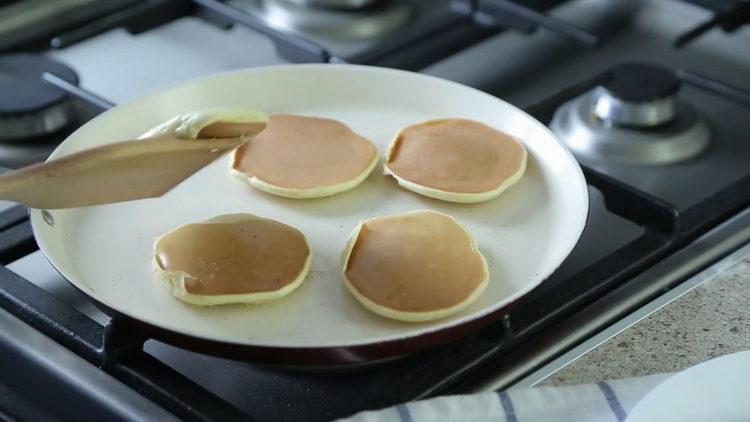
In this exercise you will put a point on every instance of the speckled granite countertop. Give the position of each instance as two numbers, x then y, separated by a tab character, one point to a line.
709	321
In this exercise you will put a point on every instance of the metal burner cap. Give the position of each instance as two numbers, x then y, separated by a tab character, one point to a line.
30	107
641	82
335	4
356	24
594	141
638	95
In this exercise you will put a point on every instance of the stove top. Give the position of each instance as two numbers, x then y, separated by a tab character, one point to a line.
540	56
633	117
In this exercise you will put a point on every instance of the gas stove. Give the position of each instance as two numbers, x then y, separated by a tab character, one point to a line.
653	98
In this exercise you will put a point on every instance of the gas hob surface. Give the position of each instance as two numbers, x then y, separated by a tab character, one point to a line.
639	214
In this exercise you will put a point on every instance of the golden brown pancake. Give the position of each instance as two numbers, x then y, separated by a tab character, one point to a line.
305	157
455	160
416	266
233	258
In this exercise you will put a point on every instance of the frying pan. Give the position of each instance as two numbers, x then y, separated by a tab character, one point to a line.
105	251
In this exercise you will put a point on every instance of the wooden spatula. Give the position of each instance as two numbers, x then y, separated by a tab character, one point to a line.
116	172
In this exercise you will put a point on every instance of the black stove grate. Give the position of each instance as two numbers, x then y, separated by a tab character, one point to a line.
118	348
728	15
467	23
470	22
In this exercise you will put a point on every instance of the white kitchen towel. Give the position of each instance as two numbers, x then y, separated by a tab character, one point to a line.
601	401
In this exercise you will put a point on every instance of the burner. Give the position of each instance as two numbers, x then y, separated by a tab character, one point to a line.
632	118
347	20
638	95
30	107
335	4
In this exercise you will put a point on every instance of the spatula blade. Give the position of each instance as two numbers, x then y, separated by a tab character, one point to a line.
116	172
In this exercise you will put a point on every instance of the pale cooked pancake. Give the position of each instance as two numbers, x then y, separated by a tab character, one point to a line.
455	160
212	123
304	157
415	266
233	258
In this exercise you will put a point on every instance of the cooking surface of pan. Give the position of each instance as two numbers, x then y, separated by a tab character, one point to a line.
525	234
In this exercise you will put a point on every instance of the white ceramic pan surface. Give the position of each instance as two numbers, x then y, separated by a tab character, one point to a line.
525	234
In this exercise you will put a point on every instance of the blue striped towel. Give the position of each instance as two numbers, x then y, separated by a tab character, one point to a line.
601	401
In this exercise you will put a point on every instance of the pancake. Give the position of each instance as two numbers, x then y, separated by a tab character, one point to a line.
455	160
304	157
232	258
213	123
415	266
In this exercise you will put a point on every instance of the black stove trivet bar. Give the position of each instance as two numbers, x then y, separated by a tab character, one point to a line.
12	216
729	200
714	85
728	15
94	101
17	240
37	33
104	347
289	45
417	47
523	18
138	17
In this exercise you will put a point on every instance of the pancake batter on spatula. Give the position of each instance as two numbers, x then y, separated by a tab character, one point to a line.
211	123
